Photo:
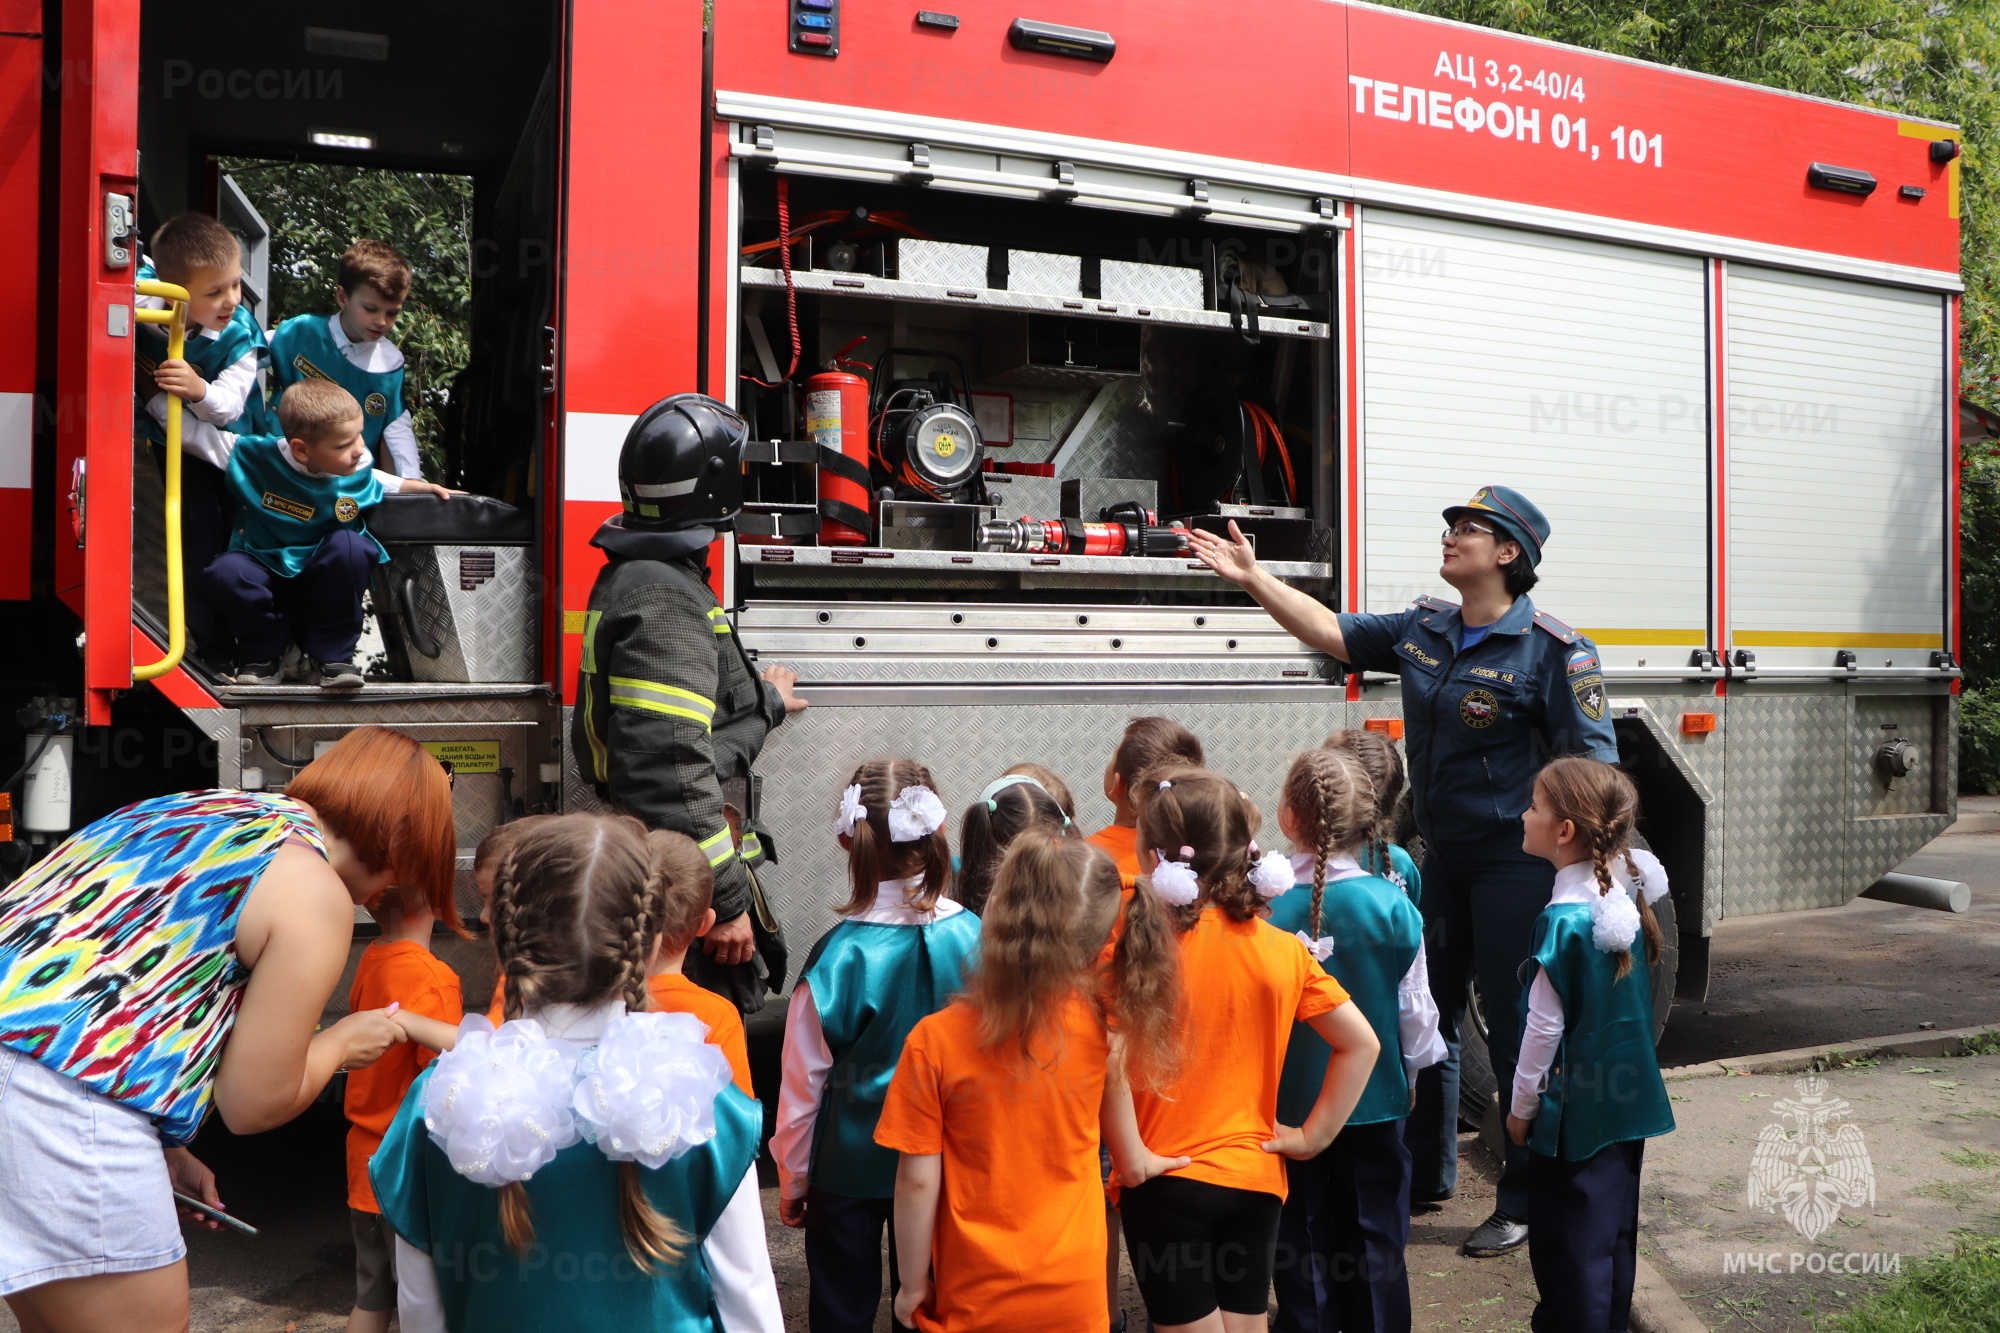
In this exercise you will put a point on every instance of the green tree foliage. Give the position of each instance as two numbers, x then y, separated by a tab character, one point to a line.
315	211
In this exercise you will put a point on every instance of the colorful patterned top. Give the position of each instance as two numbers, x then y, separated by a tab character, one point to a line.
118	953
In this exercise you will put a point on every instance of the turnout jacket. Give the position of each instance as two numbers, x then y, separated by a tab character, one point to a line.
669	710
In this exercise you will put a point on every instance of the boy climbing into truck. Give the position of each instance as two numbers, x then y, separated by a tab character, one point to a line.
351	347
300	553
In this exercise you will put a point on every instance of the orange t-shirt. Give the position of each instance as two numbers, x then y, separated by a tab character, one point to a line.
1247	982
672	993
402	972
1123	845
1020	1227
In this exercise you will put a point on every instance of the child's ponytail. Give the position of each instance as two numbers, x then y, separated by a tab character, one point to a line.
875	854
1146	993
1199	819
1331	803
651	1238
1604	805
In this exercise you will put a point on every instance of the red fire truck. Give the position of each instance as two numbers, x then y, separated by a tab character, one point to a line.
1106	266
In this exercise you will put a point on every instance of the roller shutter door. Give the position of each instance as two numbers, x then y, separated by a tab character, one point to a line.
1836	454
1572	370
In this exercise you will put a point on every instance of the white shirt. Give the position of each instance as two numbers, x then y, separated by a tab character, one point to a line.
1416	1010
382	357
1542	1039
224	402
738	1257
807	1057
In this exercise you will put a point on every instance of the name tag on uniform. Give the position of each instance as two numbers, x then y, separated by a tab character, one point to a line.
1409	649
290	508
1492	673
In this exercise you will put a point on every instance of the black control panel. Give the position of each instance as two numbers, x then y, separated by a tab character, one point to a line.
815	27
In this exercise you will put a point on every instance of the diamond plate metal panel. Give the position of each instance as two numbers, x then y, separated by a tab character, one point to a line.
1705	757
1878	845
861	669
1045	274
1786	803
1878	718
941	262
477	605
807	760
1150	284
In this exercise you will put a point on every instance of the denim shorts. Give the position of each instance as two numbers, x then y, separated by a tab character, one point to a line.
83	1184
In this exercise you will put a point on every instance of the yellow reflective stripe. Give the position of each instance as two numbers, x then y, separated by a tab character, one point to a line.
751	848
590	619
718	621
718	847
654	697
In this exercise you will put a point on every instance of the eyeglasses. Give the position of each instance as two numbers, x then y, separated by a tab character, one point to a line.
1462	529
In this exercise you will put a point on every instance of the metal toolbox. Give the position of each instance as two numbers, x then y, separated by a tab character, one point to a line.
458	601
1019	496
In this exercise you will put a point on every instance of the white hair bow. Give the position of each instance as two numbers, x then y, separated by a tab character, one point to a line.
1272	875
915	813
1321	949
852	811
1175	882
498	1102
648	1088
1614	921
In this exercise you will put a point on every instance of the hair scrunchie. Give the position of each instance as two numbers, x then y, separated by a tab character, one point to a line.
1175	881
498	1103
852	811
915	813
1272	875
648	1088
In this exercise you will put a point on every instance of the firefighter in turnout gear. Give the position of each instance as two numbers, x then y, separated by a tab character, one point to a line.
670	713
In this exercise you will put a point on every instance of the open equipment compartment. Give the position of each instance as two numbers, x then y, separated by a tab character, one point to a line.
1046	392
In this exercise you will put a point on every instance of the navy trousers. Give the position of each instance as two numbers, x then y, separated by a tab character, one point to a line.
1480	905
321	608
1583	1239
1341	1236
844	1260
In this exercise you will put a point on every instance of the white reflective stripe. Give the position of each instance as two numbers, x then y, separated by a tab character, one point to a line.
663	491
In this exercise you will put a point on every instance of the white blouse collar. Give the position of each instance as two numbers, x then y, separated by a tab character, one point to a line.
582	1024
1338	866
892	905
1575	883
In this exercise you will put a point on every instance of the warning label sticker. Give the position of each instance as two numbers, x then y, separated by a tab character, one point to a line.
466	756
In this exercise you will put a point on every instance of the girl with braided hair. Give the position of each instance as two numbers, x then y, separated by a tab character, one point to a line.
1383	855
1198	1151
1589	1010
1347	1215
587	1164
901	953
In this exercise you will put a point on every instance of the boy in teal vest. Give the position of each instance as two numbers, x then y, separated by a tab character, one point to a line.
213	384
351	347
300	553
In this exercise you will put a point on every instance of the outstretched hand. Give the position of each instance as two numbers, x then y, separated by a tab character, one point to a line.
1232	558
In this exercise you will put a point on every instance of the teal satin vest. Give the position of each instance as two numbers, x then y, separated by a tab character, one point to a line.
303	348
282	514
1375	937
577	1277
872	984
1605	1087
210	356
1400	870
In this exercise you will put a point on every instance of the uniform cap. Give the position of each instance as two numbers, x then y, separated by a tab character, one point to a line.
1513	513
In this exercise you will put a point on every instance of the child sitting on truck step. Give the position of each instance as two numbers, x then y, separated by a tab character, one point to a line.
213	381
300	553
351	347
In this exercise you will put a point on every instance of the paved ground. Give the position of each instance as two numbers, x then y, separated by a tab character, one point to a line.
1867	969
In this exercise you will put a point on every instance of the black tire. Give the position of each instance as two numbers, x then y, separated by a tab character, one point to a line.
1476	1084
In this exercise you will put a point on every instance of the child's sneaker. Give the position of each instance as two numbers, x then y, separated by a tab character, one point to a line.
339	676
258	673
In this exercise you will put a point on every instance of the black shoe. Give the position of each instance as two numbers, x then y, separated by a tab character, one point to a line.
338	676
1497	1235
258	673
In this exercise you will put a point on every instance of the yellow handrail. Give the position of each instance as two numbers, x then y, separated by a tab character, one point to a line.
175	318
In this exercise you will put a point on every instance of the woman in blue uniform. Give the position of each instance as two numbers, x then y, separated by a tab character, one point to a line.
1492	690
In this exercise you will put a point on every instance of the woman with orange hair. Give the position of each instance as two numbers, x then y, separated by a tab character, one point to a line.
176	954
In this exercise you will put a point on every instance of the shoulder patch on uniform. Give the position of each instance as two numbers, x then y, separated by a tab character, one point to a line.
1436	604
1549	623
1581	660
1589	692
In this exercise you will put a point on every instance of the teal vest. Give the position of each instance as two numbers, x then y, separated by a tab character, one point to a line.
1375	937
872	984
303	348
282	514
210	356
1401	871
1605	1087
577	1277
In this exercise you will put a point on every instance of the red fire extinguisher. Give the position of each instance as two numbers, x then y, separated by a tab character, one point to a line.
837	420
